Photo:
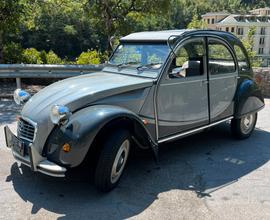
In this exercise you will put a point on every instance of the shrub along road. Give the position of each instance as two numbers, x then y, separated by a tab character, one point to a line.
206	176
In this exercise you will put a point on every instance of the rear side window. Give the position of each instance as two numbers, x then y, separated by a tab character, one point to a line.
242	59
220	58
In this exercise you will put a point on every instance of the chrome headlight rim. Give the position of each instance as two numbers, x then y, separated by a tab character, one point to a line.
60	114
20	96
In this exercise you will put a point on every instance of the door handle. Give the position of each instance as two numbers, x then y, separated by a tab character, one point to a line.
237	77
205	81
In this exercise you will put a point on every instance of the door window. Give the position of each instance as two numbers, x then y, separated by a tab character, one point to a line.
189	59
220	58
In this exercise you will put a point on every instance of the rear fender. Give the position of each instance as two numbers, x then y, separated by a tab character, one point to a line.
248	98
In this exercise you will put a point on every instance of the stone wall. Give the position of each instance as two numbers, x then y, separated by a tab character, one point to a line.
262	77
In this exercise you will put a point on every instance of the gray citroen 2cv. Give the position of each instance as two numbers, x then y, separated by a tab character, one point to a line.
157	87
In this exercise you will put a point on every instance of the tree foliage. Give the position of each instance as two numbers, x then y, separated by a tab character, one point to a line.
197	23
248	42
10	13
69	27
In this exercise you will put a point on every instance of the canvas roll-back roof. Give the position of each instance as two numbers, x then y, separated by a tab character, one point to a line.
156	36
164	36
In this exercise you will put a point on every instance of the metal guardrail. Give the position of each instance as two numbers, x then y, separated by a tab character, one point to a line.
20	71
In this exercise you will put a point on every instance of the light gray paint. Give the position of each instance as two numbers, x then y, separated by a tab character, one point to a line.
182	104
222	90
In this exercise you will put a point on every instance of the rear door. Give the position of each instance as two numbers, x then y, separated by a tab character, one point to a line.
223	74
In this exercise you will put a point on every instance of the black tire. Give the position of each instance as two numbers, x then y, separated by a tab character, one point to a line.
112	146
240	130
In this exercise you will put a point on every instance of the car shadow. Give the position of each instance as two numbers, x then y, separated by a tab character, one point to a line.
201	163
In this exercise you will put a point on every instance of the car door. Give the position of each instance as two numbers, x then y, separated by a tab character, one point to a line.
222	79
182	96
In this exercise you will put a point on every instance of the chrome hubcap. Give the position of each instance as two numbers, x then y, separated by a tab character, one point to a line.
120	161
247	123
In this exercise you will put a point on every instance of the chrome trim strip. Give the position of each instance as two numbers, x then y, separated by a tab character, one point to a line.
181	81
192	131
216	77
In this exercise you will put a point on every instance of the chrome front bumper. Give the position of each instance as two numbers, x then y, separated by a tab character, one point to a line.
33	159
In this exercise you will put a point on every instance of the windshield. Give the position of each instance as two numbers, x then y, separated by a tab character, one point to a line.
142	59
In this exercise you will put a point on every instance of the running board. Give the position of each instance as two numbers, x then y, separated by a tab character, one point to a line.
192	131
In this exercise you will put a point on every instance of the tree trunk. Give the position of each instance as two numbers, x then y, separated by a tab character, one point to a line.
1	48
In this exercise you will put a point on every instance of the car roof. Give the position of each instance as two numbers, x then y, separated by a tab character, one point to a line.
164	36
153	35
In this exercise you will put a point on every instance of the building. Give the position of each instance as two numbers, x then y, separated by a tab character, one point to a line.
240	25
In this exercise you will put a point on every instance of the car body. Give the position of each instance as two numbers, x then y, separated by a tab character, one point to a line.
159	86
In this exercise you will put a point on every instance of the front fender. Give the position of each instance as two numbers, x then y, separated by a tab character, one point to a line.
248	98
82	129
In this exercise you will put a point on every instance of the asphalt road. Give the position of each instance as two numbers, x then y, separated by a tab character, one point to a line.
206	176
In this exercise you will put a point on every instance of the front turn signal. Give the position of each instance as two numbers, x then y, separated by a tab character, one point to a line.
66	147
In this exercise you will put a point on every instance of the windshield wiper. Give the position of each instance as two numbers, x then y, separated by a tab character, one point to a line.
148	66
127	63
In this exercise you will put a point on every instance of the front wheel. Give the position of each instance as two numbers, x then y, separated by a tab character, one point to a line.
242	128
112	160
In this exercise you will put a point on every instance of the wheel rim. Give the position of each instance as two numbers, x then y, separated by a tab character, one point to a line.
247	123
120	161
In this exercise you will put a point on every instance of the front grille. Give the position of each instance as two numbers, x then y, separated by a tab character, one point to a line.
26	130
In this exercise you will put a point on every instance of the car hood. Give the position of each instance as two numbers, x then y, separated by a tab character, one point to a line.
77	92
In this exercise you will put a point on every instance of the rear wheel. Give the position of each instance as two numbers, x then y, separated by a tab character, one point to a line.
243	127
112	160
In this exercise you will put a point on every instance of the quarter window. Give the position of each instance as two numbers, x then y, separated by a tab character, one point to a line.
241	57
220	58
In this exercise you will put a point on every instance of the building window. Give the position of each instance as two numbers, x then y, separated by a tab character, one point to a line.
261	50
227	29
262	40
208	21
232	29
213	21
240	31
263	31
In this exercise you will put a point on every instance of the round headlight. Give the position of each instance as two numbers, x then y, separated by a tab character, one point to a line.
60	114
20	96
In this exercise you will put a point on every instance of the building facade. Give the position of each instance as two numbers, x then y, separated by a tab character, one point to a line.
241	24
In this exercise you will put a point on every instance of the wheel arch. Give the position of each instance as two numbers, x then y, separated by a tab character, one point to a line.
87	126
248	98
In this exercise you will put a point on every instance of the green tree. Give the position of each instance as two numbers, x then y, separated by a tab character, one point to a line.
197	23
12	53
10	12
248	42
110	15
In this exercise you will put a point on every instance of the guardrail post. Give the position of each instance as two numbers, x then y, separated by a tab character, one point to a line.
18	82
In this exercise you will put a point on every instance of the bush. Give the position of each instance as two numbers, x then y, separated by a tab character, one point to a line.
52	58
12	53
89	57
31	56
